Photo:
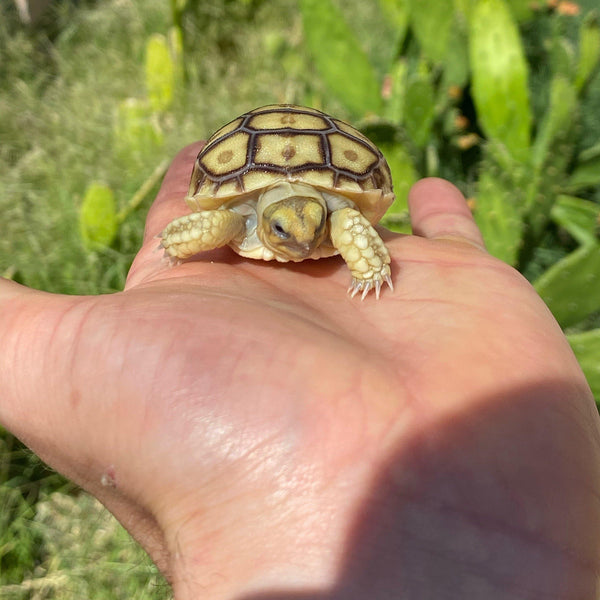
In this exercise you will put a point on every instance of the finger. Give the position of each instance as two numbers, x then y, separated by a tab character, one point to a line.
439	211
27	330
10	290
49	381
169	202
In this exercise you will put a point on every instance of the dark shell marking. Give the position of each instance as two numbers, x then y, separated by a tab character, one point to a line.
287	142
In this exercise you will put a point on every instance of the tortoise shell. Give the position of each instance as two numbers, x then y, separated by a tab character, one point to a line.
284	142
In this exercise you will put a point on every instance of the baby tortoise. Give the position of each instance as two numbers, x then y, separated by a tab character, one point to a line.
286	182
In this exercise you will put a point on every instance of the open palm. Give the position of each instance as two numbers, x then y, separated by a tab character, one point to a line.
261	433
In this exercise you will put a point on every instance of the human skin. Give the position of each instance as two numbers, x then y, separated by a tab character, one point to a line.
264	436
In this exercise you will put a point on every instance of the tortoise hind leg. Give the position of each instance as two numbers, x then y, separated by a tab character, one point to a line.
201	231
363	250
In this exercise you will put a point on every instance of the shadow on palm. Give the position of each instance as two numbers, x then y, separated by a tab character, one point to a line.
461	511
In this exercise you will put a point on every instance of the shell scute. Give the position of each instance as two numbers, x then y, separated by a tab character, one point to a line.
292	143
288	152
286	120
350	156
223	131
227	156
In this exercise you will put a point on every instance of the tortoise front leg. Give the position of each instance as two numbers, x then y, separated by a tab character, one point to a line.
200	232
362	249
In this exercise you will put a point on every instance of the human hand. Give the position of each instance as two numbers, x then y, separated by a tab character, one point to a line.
263	435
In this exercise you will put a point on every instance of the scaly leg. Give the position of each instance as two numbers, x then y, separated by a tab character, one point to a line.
200	231
362	249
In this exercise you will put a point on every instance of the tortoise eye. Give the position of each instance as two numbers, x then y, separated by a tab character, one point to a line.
279	231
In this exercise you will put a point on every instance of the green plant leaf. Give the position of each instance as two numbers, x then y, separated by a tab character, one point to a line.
456	59
431	22
590	153
339	58
551	153
136	128
143	191
463	8
585	175
499	215
586	347
177	8
579	217
175	43
98	216
571	287
419	109
521	9
404	175
557	121
394	105
160	73
397	12
499	76
589	49
562	57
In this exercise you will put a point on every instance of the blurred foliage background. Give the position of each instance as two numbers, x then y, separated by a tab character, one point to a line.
501	97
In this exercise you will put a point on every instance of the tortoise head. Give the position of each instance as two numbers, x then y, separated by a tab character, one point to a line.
292	220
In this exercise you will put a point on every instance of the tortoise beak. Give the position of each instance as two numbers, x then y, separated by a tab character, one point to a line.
295	250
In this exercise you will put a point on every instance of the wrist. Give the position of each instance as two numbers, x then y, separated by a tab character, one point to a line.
289	544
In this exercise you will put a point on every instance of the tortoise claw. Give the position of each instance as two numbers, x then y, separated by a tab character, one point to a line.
366	285
354	287
366	289
388	280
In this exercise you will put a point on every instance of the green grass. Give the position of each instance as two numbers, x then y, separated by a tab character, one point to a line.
58	542
82	552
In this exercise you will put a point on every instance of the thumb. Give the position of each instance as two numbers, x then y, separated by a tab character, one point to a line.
9	289
57	396
38	341
439	211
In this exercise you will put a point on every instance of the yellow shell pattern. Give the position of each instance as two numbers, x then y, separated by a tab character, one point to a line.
292	143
